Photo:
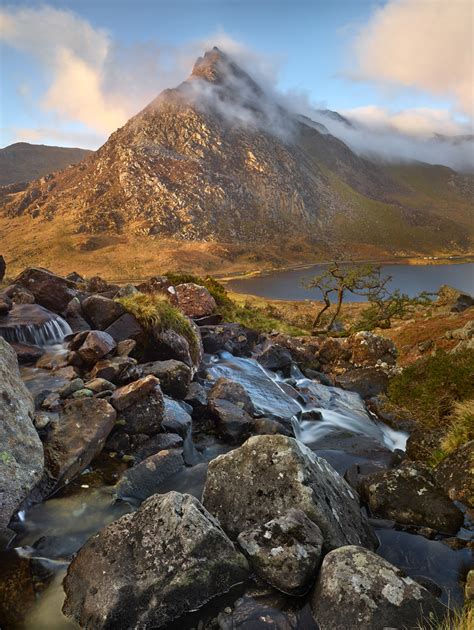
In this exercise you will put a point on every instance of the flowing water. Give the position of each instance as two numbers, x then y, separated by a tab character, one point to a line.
33	325
332	422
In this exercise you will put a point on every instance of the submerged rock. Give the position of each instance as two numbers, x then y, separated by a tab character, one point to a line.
358	589
21	450
285	552
150	567
270	474
408	494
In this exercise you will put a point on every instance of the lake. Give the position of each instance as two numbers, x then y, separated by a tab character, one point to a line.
411	279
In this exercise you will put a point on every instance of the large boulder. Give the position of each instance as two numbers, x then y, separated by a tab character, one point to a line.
358	589
21	450
286	551
270	474
194	300
73	442
409	495
50	290
101	311
232	423
150	567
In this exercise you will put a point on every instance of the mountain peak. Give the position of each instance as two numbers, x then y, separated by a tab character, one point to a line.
211	66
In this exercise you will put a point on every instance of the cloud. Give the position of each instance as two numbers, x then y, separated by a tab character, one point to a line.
54	135
420	44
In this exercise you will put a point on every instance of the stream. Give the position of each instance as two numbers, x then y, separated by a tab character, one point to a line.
334	423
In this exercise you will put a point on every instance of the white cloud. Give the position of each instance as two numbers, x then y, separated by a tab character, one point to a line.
422	44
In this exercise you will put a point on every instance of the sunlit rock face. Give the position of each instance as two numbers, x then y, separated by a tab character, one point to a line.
208	160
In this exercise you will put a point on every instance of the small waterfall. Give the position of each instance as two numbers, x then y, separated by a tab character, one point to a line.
33	325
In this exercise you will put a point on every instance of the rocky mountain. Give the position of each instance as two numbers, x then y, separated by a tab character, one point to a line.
24	162
218	159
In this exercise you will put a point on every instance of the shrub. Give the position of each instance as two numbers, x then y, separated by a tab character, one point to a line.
432	386
154	311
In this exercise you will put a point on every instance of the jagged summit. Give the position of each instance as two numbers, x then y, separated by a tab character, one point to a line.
218	159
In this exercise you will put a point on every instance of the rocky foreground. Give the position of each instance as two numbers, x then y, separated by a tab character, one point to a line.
134	382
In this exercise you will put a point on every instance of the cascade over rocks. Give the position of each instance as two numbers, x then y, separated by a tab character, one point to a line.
50	290
270	474
358	589
148	568
21	451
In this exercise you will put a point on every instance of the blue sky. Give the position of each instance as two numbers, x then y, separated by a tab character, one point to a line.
71	71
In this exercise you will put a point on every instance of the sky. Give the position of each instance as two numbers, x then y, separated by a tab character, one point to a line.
73	71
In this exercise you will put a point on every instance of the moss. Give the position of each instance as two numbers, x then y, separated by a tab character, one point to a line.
431	387
154	311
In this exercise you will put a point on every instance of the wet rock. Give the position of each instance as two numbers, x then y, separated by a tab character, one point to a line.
171	546
174	376
454	474
125	327
268	475
32	324
145	478
96	346
175	418
396	417
21	450
367	382
68	389
6	304
49	289
27	353
233	392
408	494
194	300
76	340
100	311
157	443
196	396
232	338
82	393
19	295
75	440
285	552
98	385
75	316
276	358
267	426
357	587
118	370
233	424
140	405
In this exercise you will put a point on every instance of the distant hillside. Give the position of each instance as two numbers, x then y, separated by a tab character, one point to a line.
24	162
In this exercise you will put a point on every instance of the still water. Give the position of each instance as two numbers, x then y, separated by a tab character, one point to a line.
411	279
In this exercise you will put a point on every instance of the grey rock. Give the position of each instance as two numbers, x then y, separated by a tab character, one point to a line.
21	450
232	423
270	474
101	311
148	568
97	345
68	389
286	551
226	389
146	477
358	589
174	376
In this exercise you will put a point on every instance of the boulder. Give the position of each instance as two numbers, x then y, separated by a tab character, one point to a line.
233	424
454	474
276	358
168	344
101	311
367	382
99	385
233	338
140	405
358	589
409	495
270	474
96	346
125	327
118	370
27	353
126	347
75	316
150	567
18	294
286	551
6	304
194	300
157	443
70	388
174	376
176	418
73	442
233	392
51	291
21	450
145	478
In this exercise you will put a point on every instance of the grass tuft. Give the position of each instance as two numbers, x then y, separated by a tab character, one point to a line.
461	426
454	620
154	311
